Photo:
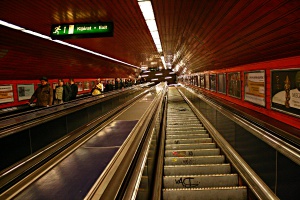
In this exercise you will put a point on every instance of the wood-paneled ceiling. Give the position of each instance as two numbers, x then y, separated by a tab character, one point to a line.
198	35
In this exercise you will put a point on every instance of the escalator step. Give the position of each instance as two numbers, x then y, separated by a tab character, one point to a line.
173	170
214	180
173	132
184	128
189	141
196	152
216	193
194	160
190	146
186	136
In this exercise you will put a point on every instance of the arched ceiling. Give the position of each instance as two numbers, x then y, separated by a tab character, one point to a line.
195	34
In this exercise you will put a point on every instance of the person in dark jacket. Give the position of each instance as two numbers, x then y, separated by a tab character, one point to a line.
74	89
43	94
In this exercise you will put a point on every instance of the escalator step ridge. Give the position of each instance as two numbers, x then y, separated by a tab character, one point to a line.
207	188
200	175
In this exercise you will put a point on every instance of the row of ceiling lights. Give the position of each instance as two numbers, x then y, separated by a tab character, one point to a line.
147	10
12	26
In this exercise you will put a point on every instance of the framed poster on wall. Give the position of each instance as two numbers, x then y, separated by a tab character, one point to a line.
6	94
213	82
79	85
285	91
25	91
202	82
86	85
254	87
207	81
222	83
234	84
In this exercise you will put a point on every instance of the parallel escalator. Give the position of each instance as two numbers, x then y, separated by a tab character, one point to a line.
194	167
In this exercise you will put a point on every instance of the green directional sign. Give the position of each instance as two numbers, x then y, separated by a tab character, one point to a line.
87	30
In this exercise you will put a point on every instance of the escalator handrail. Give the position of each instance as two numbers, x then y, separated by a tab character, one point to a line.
32	162
135	178
254	182
278	144
109	183
54	112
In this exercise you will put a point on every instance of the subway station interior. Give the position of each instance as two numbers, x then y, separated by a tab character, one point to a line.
199	99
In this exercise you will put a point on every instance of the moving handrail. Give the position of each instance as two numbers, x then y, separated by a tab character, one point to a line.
109	184
33	163
255	183
19	123
279	144
155	128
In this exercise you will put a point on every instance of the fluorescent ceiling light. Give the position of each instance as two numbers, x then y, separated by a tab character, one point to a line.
158	74
168	77
154	79
151	25
9	25
147	10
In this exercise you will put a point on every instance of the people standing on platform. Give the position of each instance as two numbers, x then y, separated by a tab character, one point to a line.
62	92
108	86
98	88
117	84
43	94
74	89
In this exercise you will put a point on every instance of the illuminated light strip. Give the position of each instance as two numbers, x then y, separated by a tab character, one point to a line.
12	26
147	10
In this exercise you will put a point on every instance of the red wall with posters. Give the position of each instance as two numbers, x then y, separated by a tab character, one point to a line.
15	83
287	63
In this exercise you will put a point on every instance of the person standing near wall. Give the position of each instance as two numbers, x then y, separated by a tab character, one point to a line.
59	92
74	89
62	92
98	88
43	94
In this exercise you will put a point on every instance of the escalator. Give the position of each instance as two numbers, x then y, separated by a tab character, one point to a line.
194	167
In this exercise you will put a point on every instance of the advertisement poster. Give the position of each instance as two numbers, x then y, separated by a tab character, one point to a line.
234	84
285	91
254	85
79	84
92	84
6	93
25	91
207	81
202	83
213	83
222	83
86	85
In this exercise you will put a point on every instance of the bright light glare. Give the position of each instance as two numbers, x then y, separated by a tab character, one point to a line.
163	61
151	25
148	14
146	9
9	25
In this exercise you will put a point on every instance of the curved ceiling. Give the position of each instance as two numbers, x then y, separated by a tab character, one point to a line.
197	35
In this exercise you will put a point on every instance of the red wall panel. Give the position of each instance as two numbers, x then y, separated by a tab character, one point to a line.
287	63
